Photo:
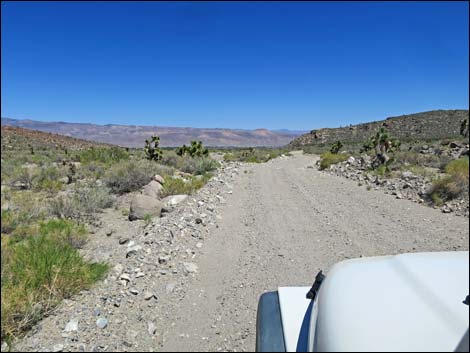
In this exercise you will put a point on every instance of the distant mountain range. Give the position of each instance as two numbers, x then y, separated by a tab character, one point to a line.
135	136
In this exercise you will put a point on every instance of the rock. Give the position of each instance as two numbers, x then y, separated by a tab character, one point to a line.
159	179
170	287
148	295
151	328
153	189
134	291
198	220
407	175
199	245
162	260
102	323
125	277
64	180
58	348
173	200
464	153
143	205
351	160
71	326
123	241
190	267
109	233
118	268
133	250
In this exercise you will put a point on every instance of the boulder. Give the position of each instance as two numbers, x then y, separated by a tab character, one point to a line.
142	205
159	179
173	200
153	189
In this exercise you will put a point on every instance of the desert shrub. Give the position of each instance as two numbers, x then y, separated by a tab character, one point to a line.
170	158
24	209
48	180
64	206
93	199
204	165
83	202
328	158
458	168
9	221
405	158
197	166
132	175
178	186
254	155
38	273
24	177
454	184
106	155
91	170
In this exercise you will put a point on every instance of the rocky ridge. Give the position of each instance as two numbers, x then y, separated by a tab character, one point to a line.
436	124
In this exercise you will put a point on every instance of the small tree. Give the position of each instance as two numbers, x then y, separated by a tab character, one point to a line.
181	151
197	150
152	151
336	147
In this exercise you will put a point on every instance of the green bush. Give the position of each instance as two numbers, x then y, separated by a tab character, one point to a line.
132	175
453	185
37	274
178	186
254	155
328	158
106	155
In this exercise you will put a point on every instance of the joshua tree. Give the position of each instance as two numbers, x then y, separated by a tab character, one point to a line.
336	147
464	128
152	151
181	151
197	150
383	144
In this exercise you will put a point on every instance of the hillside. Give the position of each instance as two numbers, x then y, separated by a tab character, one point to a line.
436	124
135	136
16	138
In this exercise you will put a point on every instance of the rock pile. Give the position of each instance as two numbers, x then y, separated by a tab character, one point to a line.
406	185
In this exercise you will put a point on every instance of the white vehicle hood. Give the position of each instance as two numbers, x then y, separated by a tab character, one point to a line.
409	302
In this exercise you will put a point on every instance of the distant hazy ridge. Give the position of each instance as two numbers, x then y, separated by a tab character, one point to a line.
135	136
436	124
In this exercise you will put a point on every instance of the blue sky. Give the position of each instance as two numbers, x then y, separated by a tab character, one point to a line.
293	65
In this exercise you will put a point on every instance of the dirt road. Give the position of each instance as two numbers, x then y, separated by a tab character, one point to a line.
279	223
283	223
